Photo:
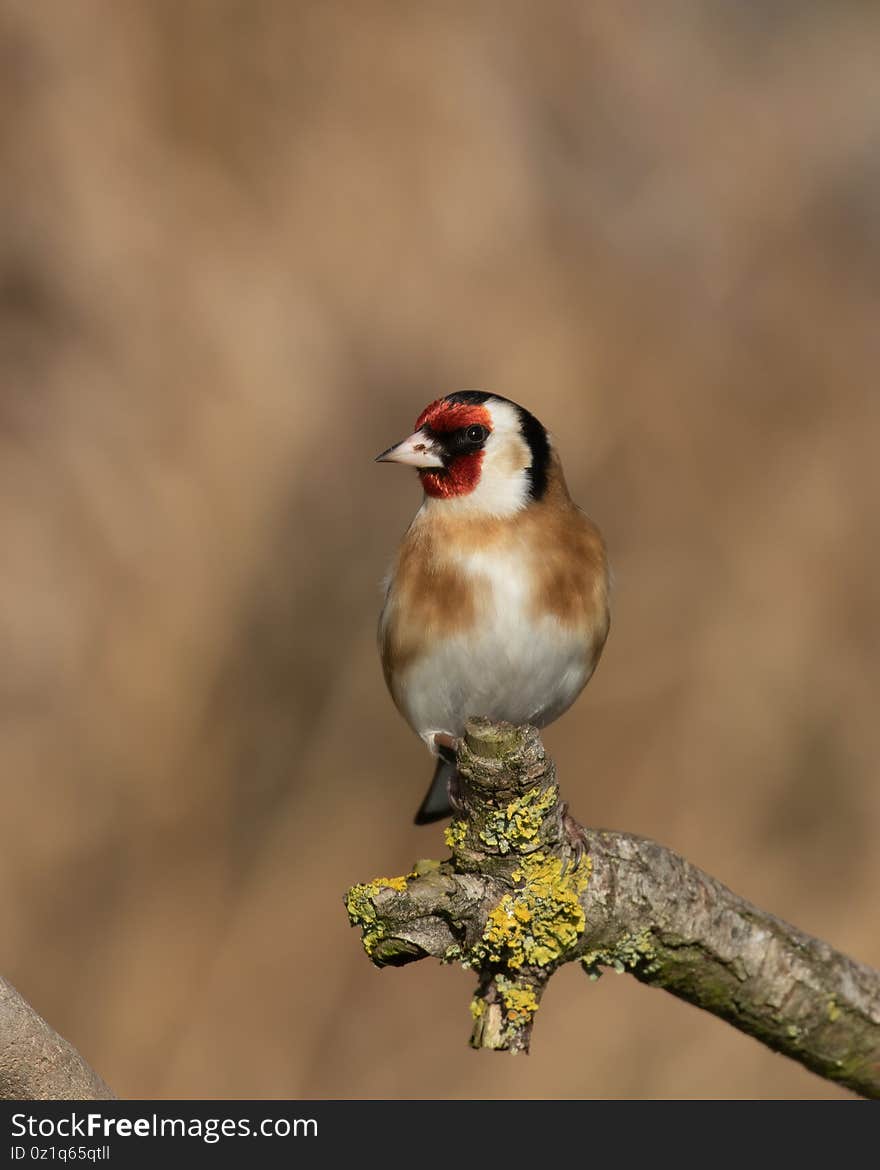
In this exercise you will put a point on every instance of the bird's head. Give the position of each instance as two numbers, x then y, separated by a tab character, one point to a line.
477	452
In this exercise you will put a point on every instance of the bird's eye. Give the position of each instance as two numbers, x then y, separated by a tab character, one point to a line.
476	434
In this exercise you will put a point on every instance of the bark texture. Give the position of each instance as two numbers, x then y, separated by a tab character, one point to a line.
36	1064
527	889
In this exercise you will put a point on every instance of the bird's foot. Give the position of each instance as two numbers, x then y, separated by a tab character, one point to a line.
446	744
575	838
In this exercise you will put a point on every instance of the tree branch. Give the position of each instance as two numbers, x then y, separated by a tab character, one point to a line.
516	900
36	1064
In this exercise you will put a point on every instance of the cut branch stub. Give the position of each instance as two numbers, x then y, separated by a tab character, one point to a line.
509	796
508	901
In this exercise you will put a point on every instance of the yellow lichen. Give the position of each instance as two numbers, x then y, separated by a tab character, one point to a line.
360	904
517	826
630	952
536	924
424	865
520	1001
454	834
833	1011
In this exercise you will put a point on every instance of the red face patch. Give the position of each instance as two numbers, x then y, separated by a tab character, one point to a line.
442	416
458	479
462	474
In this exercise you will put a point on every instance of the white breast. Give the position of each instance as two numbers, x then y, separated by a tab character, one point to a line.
510	666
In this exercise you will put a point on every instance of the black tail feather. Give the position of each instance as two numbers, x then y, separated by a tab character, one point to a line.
436	804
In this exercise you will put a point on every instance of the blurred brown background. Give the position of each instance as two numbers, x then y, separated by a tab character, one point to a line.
242	243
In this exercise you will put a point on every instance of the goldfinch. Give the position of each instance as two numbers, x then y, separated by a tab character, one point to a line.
497	601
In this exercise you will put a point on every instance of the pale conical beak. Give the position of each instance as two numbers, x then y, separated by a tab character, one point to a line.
419	450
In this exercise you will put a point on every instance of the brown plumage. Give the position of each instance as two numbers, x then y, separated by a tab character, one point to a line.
434	596
497	601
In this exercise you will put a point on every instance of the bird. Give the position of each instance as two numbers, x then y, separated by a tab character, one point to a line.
497	601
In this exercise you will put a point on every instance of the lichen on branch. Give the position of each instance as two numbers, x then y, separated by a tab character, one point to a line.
529	910
518	897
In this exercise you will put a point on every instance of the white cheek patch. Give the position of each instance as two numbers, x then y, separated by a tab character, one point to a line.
503	488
